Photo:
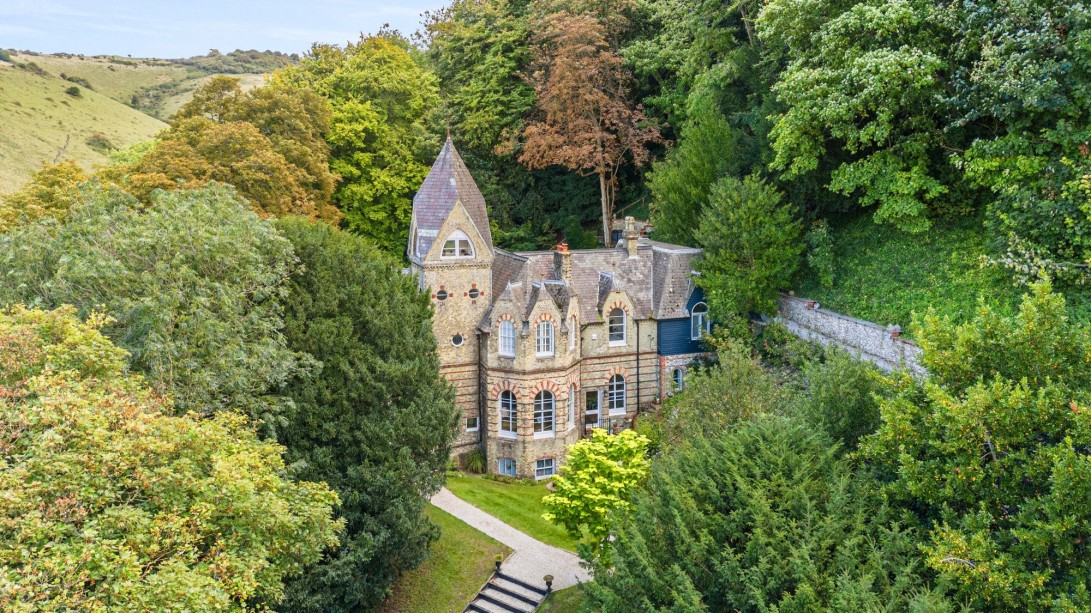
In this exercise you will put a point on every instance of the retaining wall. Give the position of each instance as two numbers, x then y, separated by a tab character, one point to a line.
879	344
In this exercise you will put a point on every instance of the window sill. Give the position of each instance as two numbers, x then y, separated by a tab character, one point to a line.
544	355
504	355
550	476
550	434
615	413
478	429
618	343
508	435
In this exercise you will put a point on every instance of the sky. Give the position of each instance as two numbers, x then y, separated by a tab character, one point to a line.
158	28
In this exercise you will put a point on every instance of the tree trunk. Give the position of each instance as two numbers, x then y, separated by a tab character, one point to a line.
607	209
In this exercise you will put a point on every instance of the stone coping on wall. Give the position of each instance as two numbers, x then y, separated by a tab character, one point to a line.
882	345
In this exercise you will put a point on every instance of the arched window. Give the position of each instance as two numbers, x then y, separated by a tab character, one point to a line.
615	394
544	412
573	330
507	339
617	326
457	245
508	414
571	406
698	321
678	378
543	342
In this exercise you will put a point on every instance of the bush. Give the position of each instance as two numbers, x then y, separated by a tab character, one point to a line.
73	91
475	461
5	56
841	397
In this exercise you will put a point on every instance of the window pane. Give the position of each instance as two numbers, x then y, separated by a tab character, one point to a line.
617	326
507	338
508	412
544	468
616	393
448	249
543	412
544	341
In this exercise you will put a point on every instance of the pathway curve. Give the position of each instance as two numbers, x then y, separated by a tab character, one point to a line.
532	559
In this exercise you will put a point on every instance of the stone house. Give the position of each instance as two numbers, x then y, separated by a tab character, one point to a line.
542	346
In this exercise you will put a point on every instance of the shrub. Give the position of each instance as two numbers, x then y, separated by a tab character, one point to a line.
820	253
475	461
73	91
5	56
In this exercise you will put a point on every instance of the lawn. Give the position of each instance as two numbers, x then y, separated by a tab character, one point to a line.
885	275
458	565
564	601
517	504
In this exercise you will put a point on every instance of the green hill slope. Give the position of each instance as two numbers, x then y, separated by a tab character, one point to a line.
40	123
156	87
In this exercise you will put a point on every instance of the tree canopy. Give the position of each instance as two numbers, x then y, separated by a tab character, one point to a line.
192	285
110	501
383	104
374	419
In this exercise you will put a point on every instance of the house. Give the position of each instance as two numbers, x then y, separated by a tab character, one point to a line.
542	346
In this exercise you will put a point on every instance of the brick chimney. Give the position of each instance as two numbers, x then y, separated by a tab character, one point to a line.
565	266
631	236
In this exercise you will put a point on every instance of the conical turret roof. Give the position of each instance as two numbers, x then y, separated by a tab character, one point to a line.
448	182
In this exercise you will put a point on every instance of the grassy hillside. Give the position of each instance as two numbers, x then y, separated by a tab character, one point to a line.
41	123
885	275
156	87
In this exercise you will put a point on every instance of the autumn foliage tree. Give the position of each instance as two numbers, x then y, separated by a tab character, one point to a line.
112	503
583	118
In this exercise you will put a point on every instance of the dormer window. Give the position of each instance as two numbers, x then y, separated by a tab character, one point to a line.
457	245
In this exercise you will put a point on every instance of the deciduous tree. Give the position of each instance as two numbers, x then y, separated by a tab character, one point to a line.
598	478
382	103
112	503
192	283
584	120
51	192
991	454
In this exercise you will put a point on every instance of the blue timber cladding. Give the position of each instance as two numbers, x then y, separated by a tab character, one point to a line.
674	334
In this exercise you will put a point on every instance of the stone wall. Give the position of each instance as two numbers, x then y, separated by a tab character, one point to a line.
881	345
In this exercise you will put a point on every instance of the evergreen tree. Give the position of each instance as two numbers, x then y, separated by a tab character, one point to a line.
764	516
374	419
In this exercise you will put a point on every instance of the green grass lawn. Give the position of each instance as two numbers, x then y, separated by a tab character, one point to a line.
517	504
458	565
564	601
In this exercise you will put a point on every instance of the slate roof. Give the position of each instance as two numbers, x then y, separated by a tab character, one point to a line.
659	280
448	181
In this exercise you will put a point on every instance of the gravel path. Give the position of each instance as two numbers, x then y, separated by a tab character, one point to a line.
532	559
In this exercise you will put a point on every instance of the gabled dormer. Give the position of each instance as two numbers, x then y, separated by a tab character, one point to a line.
448	188
458	241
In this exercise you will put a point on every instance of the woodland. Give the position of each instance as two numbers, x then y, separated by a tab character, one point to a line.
218	391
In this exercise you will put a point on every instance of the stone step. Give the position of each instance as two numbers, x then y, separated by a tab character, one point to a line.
520	588
514	592
504	602
541	591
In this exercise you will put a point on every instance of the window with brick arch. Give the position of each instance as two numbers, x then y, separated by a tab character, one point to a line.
507	339
617	326
544	412
509	414
615	394
543	342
